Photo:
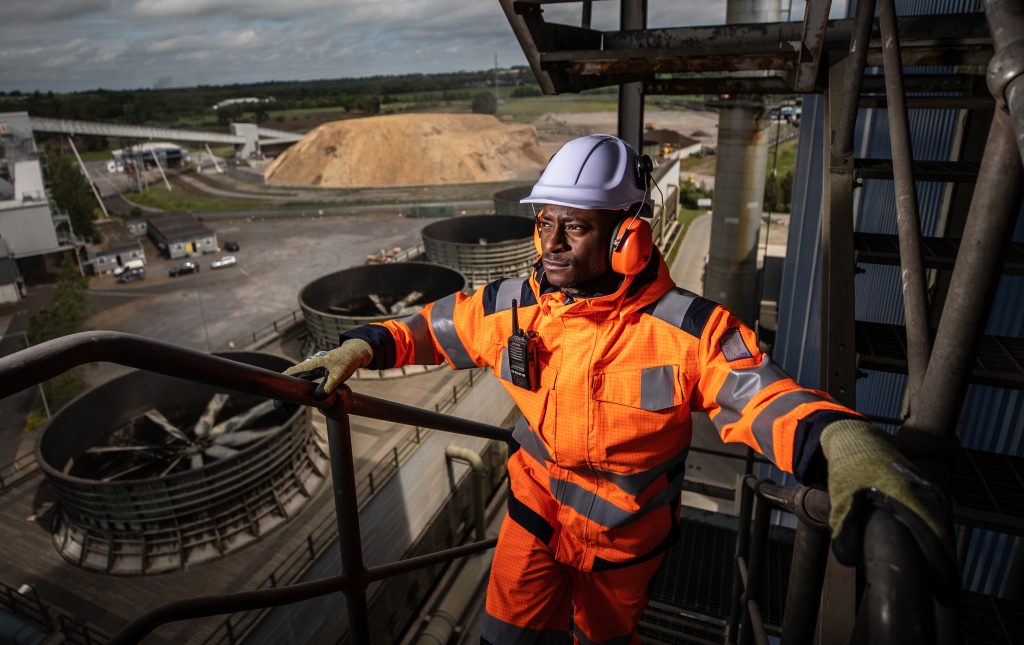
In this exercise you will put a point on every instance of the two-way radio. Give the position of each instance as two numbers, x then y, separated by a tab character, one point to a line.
522	354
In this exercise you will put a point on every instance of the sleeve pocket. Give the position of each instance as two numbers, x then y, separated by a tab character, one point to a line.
650	388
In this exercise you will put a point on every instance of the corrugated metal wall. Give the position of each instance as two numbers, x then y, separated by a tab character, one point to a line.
993	418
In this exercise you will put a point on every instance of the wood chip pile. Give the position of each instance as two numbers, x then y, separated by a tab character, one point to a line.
408	150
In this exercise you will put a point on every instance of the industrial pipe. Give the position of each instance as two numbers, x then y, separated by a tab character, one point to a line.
446	617
474	461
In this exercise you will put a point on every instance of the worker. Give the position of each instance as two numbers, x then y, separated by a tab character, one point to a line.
606	358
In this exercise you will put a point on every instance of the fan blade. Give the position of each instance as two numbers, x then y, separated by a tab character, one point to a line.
124	472
159	419
209	415
173	464
375	299
99	450
242	437
406	301
197	461
240	421
220	452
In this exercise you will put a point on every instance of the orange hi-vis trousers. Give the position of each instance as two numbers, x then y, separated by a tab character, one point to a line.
531	597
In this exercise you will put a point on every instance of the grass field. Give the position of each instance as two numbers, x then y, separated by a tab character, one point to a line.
686	217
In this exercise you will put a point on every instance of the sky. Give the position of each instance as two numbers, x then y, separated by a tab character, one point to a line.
73	45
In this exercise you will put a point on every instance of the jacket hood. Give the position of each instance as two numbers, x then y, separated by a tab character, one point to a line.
634	293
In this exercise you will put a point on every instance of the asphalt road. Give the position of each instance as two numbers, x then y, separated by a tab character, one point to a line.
277	258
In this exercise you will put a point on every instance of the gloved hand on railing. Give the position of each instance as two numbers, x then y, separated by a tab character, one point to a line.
336	365
865	468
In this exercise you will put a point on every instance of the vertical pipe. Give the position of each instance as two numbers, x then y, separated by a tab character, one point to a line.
742	156
837	371
347	510
742	542
994	208
1006	22
587	10
632	15
758	551
915	297
803	595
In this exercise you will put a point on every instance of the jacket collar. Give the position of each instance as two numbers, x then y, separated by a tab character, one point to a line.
634	293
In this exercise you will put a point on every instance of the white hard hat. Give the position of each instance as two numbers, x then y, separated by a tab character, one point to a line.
596	171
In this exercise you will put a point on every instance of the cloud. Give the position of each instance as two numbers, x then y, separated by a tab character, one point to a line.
84	44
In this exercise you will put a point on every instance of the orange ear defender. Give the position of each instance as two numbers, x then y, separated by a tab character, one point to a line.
536	233
631	246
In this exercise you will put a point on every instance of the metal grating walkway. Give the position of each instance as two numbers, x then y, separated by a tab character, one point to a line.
999	361
695	581
988	491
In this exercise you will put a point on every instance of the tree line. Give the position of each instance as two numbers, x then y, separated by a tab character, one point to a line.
172	105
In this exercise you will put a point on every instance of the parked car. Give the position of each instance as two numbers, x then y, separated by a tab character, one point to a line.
130	271
183	268
131	275
230	245
226	261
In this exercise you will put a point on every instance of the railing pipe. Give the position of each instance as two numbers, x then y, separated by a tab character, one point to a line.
263	598
742	553
41	362
893	611
915	296
44	361
346	508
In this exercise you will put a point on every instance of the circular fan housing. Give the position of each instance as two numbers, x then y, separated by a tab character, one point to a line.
143	486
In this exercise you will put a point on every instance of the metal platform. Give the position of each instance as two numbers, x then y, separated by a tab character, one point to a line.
999	361
695	580
936	252
988	491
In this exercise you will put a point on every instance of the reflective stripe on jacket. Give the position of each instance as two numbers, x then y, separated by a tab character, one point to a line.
598	463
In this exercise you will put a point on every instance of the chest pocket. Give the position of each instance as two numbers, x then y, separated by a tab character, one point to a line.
650	388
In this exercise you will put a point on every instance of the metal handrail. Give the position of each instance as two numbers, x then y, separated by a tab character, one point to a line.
38	363
896	606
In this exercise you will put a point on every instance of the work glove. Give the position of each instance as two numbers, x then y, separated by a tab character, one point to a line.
866	469
334	366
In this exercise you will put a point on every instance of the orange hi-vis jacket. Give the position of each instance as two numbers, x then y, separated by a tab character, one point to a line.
597	464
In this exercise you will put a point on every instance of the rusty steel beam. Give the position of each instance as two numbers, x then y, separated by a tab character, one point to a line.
568	59
808	62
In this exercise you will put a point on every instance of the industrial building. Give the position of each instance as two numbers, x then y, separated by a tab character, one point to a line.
118	247
179	235
150	154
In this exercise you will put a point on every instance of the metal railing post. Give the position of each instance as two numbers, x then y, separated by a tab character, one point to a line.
347	510
803	595
758	551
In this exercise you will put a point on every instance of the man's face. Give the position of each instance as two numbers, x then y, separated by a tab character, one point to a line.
575	243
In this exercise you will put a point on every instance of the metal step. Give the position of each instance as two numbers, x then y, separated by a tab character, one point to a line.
950	171
936	252
999	361
663	624
934	102
988	491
